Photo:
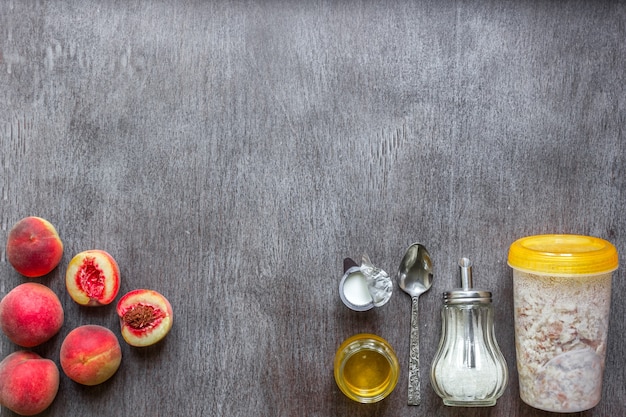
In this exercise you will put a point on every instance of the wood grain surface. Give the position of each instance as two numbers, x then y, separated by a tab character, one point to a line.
230	155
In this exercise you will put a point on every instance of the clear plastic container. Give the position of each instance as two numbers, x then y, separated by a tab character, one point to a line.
562	296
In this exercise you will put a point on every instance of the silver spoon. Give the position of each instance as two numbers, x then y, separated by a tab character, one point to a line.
415	277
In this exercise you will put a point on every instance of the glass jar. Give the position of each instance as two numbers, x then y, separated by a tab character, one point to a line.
366	368
561	297
469	369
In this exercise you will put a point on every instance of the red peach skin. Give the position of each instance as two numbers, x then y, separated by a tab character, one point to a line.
28	383
34	247
90	354
30	314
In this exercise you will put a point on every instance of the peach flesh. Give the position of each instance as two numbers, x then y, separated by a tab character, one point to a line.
28	383
93	278
90	354
30	314
146	317
34	247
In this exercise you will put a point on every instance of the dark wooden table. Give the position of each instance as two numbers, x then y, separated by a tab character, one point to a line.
231	154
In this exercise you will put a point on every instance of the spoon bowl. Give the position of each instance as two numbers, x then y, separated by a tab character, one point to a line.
415	277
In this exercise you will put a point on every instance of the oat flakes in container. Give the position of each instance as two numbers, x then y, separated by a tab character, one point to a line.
562	296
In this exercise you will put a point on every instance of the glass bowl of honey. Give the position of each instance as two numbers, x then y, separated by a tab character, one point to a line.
366	368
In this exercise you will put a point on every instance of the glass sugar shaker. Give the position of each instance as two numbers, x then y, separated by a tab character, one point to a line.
469	369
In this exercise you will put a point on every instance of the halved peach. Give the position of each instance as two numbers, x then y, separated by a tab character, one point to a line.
93	278
34	247
146	317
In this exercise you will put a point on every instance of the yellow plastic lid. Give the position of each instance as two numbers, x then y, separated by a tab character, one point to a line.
563	255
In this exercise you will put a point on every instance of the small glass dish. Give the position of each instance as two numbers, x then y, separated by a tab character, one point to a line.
366	368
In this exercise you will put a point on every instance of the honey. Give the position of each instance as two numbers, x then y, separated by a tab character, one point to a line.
366	368
367	372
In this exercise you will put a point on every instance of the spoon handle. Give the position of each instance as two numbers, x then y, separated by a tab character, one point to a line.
414	356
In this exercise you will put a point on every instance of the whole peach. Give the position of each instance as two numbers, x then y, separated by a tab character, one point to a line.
31	314
28	383
90	354
34	247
